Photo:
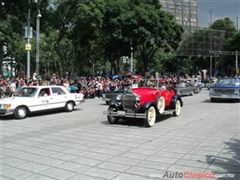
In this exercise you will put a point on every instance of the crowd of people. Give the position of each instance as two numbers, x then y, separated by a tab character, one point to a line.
90	86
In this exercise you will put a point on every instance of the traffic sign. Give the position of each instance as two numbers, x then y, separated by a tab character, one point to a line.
28	47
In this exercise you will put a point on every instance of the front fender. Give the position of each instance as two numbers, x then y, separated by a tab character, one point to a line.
146	106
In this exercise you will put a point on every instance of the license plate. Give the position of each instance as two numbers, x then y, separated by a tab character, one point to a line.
121	113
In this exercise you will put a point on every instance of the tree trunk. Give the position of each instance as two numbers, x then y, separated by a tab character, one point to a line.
1	57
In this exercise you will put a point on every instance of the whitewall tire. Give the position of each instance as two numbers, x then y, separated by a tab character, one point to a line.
160	104
151	116
178	107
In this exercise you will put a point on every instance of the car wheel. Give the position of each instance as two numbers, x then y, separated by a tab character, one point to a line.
177	110
69	107
20	112
197	91
151	116
111	118
160	104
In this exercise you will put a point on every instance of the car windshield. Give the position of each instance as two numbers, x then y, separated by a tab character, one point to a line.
229	81
28	92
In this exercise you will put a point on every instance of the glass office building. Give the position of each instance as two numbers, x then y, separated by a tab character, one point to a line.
185	11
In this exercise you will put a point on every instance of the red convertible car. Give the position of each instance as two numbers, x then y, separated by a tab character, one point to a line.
144	103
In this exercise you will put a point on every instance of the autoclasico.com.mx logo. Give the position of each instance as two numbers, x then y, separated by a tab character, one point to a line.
192	175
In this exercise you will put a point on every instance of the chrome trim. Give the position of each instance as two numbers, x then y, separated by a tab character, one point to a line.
224	96
5	112
129	115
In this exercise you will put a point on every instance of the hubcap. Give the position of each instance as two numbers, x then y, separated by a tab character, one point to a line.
21	112
70	106
151	115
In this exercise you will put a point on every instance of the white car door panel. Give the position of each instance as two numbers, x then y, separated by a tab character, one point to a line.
59	97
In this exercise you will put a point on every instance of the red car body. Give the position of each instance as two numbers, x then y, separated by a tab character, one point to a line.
145	103
151	94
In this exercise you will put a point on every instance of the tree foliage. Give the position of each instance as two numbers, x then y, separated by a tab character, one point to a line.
77	34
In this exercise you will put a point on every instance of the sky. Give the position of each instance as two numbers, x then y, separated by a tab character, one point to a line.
220	10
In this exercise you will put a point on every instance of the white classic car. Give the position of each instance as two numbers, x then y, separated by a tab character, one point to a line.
38	98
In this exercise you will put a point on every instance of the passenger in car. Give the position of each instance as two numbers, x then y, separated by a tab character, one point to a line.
43	93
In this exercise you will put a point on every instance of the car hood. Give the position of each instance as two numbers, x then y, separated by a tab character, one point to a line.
11	100
225	86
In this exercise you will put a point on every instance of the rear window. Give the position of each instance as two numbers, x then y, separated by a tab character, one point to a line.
57	91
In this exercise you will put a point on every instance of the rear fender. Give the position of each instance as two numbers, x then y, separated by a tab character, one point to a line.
174	100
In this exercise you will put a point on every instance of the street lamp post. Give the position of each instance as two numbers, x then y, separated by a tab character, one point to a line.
211	43
28	40
131	57
37	36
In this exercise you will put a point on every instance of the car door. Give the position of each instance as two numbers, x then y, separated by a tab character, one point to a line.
167	94
189	89
58	98
42	100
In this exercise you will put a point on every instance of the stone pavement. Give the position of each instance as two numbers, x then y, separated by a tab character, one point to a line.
82	145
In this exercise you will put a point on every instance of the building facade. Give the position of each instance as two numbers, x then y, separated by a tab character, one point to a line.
185	11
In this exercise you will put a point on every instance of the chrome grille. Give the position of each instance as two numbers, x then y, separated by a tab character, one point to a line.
111	95
224	91
129	101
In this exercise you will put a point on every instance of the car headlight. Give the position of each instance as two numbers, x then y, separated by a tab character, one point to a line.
118	98
236	91
5	106
138	98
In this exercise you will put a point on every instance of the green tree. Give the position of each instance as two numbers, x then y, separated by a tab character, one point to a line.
142	24
232	44
10	23
226	25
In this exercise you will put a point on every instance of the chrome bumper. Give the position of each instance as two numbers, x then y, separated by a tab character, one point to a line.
224	96
126	114
5	112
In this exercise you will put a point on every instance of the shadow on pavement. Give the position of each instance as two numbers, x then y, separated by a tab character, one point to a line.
103	104
137	122
228	101
35	114
227	161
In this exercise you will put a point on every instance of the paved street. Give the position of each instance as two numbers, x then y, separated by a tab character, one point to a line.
82	145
